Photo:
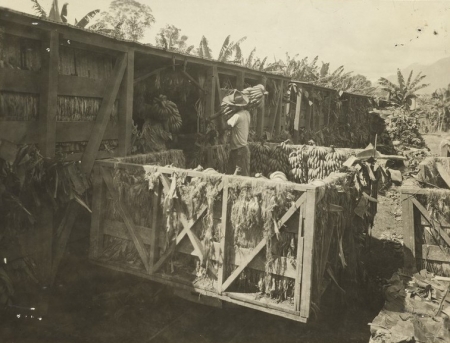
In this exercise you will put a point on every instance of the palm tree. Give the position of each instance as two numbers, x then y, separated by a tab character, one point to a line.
401	94
56	15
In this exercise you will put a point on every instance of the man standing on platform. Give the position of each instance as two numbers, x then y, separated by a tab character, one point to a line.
239	124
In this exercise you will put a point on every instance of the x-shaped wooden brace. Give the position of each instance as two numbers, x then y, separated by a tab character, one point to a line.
187	230
263	243
123	211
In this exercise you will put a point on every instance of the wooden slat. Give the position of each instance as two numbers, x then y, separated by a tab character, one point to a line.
210	86
299	262
435	253
434	223
81	86
408	233
154	235
443	173
280	266
126	107
65	229
308	255
137	240
240	81
261	113
221	276
149	74
194	81
24	81
260	245
99	155
24	132
98	203
93	40
189	287
103	116
49	94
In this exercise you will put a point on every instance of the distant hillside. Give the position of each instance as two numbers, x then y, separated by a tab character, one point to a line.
438	74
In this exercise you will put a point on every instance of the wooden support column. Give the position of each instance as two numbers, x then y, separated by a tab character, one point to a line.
240	81
298	106
49	94
126	107
261	112
104	114
221	274
154	244
47	144
98	204
210	86
308	253
408	234
299	260
279	110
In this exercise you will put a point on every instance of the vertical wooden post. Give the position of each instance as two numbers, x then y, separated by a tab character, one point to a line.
261	112
408	234
47	144
298	106
49	94
321	116
240	81
221	274
330	94
279	109
98	204
154	237
299	261
210	86
126	107
308	253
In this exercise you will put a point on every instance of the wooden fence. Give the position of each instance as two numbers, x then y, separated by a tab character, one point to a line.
425	216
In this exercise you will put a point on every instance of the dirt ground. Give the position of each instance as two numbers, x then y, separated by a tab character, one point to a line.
93	304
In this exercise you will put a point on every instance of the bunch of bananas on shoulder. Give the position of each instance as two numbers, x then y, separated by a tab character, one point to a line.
166	112
255	95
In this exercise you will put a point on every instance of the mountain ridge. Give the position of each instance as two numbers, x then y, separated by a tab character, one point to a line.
438	74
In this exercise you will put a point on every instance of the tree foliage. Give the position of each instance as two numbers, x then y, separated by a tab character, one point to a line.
57	15
169	38
401	94
126	19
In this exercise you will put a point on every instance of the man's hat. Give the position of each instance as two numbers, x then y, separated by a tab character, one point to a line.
236	99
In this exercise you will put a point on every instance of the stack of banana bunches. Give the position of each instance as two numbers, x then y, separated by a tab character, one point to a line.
255	95
299	164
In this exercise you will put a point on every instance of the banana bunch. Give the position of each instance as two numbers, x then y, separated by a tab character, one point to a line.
334	160
255	95
317	166
167	112
298	161
259	156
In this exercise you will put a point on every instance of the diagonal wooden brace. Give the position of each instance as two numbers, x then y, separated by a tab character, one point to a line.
137	239
262	244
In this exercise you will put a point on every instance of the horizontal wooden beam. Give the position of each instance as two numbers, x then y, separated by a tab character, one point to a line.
22	31
178	284
279	266
99	155
435	253
24	81
81	86
24	132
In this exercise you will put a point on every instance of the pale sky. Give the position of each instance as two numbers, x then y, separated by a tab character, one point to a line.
361	35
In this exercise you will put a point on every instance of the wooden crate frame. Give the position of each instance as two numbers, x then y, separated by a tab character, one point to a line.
305	205
417	219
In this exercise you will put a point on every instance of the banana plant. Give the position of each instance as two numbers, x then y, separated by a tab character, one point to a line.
61	16
401	94
228	48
